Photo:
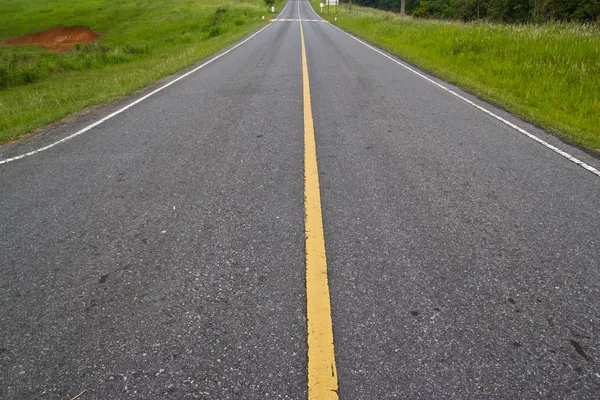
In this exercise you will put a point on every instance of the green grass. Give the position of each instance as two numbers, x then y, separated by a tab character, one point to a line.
548	74
143	41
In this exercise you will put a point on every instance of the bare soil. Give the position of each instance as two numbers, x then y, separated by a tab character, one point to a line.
57	38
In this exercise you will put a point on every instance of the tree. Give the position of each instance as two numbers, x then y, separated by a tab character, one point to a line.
392	5
422	11
573	10
509	10
538	9
434	8
494	10
468	10
587	10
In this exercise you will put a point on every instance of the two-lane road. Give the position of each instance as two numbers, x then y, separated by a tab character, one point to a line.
162	254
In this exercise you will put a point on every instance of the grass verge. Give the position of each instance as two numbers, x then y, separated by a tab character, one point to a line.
143	41
548	74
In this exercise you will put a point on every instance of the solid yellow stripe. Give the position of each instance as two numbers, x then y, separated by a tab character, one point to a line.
322	374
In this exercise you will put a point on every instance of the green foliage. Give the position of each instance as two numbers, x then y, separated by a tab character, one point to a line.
441	9
422	11
509	10
547	73
394	5
496	10
270	3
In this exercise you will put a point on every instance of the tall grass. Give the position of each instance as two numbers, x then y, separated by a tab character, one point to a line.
142	41
548	74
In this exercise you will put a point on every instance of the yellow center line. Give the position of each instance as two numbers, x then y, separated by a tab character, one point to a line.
322	374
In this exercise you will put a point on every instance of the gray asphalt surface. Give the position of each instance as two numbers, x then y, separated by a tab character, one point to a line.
161	254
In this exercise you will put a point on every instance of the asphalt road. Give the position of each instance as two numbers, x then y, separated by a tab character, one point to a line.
161	254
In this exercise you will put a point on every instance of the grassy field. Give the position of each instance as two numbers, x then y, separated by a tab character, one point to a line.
548	74
142	41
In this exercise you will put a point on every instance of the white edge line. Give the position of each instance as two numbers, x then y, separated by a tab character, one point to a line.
87	128
314	12
283	9
485	110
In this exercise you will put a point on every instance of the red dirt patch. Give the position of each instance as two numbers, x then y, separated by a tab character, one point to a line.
56	39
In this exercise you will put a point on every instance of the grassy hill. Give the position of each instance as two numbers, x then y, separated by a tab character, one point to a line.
142	41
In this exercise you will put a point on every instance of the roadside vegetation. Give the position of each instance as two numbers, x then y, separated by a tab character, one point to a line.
520	11
547	73
141	41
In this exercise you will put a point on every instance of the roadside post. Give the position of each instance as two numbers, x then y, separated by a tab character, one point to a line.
321	5
331	3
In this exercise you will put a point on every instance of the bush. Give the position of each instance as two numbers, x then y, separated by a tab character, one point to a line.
422	11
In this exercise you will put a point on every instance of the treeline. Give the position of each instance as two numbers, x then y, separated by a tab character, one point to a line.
495	10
